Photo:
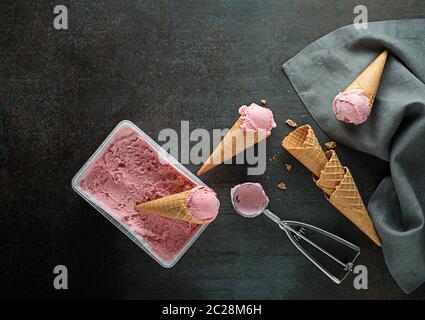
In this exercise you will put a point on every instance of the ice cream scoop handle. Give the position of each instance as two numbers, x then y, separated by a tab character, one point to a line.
286	227
292	233
272	216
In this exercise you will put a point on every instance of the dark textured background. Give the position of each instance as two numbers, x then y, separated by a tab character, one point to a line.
156	63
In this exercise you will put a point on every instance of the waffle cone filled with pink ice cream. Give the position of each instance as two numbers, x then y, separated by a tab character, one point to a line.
354	104
198	205
254	125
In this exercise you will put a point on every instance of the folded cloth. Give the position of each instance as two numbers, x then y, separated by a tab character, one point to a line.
395	130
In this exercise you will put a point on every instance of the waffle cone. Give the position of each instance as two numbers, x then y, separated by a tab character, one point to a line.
341	191
172	206
331	175
233	143
334	179
370	78
346	198
304	146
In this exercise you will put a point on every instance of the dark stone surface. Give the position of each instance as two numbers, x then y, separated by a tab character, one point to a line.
156	63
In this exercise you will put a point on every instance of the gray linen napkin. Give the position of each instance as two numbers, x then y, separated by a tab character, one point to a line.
394	132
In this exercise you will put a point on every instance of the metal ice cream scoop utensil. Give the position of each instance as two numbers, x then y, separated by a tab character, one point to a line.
297	231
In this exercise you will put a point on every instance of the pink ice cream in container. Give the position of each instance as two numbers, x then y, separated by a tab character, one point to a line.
130	168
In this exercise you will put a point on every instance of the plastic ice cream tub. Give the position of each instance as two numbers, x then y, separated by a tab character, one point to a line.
127	221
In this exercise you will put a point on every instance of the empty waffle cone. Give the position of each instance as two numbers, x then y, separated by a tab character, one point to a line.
341	191
334	179
304	146
233	143
370	78
173	206
331	175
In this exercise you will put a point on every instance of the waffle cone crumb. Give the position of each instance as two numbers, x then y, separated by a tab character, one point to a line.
282	185
291	123
330	145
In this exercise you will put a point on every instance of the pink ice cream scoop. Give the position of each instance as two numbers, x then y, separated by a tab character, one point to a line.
352	106
203	204
249	199
256	118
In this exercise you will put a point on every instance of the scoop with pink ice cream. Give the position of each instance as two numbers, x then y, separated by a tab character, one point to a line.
249	199
352	106
256	118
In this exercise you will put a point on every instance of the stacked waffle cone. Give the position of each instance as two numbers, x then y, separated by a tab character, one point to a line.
173	206
233	143
370	78
334	179
304	146
331	175
341	191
